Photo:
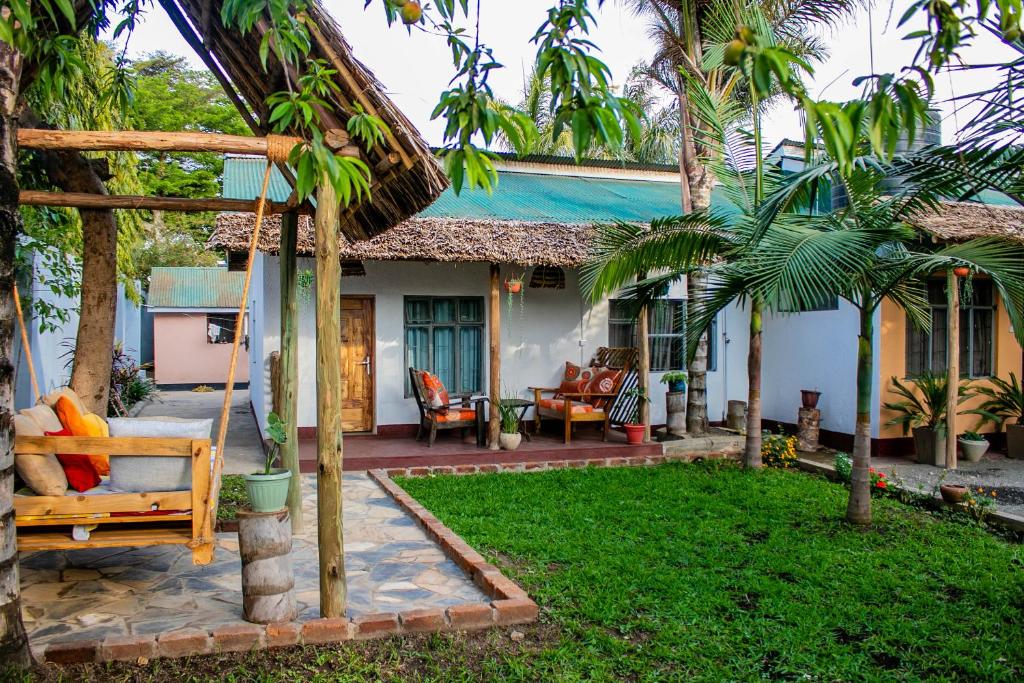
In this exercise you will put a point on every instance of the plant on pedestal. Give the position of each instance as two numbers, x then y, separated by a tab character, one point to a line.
268	490
676	380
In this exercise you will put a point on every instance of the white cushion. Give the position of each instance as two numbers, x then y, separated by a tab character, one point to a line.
139	473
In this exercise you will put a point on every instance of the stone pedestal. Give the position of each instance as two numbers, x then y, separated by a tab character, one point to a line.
268	584
808	428
675	407
736	417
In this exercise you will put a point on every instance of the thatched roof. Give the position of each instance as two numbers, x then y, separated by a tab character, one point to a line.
958	221
406	177
430	239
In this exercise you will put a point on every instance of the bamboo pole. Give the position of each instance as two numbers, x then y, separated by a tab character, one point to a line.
162	141
88	200
494	378
289	366
952	364
24	343
329	449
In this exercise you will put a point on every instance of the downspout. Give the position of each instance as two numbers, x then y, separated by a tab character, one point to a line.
725	363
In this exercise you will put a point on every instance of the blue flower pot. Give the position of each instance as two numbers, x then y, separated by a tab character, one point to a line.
268	492
677	386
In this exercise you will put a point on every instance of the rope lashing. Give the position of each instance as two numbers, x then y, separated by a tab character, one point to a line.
279	147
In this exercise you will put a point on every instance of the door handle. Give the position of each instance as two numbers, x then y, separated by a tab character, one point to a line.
366	363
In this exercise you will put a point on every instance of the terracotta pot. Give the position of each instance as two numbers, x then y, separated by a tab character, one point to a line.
953	493
509	442
809	398
961	271
513	287
1015	441
634	434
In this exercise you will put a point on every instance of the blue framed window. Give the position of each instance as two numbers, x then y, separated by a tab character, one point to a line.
445	335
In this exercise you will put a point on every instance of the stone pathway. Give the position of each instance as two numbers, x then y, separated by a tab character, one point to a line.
89	594
243	448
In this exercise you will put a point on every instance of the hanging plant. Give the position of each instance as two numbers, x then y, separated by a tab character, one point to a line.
304	284
514	288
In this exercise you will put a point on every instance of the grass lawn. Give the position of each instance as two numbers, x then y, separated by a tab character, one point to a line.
685	572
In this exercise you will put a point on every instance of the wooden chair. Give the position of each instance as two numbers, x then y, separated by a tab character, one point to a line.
122	519
463	411
608	409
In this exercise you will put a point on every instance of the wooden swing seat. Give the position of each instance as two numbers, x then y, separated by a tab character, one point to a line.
123	519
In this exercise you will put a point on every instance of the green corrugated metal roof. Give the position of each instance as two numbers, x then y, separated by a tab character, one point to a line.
519	196
191	288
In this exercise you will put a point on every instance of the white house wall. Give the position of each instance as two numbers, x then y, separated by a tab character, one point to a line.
554	326
814	350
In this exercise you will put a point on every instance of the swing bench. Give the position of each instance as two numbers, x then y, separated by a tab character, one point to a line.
153	517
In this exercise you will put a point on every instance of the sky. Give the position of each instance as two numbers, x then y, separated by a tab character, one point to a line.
416	68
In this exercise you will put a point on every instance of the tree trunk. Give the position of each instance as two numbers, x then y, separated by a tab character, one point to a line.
13	641
752	448
289	373
90	374
858	510
329	450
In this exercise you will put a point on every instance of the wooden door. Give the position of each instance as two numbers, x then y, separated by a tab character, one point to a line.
357	363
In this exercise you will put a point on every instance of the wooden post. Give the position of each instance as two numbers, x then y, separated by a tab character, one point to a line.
494	382
952	364
289	365
643	370
268	582
329	450
25	344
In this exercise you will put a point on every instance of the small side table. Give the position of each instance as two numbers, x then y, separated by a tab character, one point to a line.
524	405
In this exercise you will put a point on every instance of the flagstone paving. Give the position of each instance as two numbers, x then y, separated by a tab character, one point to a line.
390	564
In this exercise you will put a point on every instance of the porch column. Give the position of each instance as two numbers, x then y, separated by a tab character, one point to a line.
289	372
328	403
952	364
643	370
494	381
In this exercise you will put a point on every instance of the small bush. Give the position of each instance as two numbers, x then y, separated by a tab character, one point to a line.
778	450
844	466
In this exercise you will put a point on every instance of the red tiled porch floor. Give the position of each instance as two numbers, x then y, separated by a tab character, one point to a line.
364	452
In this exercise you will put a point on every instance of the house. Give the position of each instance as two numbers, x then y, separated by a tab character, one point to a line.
194	313
416	294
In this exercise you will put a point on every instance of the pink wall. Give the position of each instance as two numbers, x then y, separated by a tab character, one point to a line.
182	355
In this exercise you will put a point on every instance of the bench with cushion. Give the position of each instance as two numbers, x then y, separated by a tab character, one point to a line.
440	411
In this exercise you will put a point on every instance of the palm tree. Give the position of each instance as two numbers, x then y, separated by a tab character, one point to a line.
864	253
690	36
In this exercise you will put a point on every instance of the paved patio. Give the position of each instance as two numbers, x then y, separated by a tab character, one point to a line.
390	563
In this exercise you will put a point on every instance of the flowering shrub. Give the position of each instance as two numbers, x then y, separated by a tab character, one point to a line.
978	502
844	466
878	480
778	450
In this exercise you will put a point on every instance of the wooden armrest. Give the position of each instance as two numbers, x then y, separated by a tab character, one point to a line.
544	389
587	395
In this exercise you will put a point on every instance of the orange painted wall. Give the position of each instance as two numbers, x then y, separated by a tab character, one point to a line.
893	359
182	355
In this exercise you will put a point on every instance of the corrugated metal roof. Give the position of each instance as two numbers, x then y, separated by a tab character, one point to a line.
191	288
519	196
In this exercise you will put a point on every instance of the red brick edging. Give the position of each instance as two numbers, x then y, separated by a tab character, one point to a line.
424	471
509	605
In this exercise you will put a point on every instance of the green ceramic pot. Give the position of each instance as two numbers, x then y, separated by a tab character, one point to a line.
268	492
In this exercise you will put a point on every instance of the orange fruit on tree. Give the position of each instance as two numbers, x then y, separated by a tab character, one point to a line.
411	12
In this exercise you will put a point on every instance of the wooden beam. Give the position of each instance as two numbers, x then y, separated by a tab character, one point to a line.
494	381
329	450
289	366
87	200
952	364
159	141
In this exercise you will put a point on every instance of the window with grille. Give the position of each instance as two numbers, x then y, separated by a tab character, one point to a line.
220	328
926	349
445	336
666	338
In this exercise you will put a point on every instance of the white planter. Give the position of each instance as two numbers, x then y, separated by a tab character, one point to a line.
509	442
973	450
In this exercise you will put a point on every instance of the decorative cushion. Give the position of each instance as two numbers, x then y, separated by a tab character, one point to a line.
140	473
457	415
575	372
44	417
556	405
42	473
84	424
78	469
437	396
51	399
603	382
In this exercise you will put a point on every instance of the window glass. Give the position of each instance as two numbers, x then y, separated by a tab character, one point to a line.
444	310
220	328
445	336
666	324
471	310
417	310
926	349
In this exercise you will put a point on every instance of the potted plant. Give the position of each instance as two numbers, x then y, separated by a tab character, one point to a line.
809	398
974	445
268	490
952	493
635	427
922	411
510	437
1004	400
676	381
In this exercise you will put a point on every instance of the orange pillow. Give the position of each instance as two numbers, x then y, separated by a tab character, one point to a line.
83	425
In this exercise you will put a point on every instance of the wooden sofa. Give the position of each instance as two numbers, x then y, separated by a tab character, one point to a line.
606	409
122	519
